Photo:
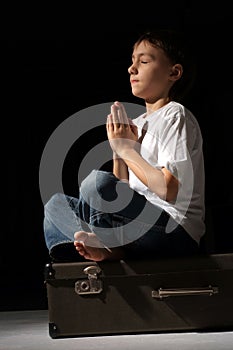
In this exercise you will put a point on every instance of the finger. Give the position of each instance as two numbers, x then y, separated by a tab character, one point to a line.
114	113
109	119
109	123
122	115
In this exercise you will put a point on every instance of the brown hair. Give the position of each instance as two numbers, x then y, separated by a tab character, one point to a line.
178	51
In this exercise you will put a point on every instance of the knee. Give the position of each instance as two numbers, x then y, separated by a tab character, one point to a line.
99	183
54	202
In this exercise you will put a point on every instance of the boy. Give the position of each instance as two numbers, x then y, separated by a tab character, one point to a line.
158	169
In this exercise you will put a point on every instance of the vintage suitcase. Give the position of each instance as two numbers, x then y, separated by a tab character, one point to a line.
128	297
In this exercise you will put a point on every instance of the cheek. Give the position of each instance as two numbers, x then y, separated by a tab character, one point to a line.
154	80
159	76
159	72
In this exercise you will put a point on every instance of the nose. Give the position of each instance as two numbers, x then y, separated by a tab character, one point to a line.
132	69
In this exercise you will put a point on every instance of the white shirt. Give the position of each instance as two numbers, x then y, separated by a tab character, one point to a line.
173	140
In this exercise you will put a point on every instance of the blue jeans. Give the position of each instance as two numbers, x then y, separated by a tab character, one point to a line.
118	215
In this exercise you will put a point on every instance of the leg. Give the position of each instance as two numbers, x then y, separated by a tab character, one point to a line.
97	192
110	223
60	223
109	204
116	213
148	237
65	215
157	243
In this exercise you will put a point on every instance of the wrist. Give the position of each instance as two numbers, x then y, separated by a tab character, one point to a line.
115	155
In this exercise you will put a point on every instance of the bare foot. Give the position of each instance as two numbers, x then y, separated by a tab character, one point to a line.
90	247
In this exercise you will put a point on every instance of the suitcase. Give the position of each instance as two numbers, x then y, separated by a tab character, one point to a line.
129	297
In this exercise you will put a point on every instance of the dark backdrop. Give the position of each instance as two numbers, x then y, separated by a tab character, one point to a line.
49	77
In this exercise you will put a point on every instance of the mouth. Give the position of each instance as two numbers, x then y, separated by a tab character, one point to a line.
133	81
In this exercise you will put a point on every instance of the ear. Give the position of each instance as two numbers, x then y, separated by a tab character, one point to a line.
176	72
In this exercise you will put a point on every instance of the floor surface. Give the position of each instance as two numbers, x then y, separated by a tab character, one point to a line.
28	330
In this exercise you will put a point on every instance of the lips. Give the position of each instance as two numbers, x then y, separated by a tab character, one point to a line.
133	81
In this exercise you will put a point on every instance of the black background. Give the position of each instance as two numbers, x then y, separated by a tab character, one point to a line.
52	70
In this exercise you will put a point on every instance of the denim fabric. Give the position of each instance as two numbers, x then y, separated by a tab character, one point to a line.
118	215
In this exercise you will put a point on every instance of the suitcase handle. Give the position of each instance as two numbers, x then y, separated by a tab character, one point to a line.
165	293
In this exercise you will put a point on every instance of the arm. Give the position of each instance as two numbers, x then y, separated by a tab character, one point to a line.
123	139
161	182
120	169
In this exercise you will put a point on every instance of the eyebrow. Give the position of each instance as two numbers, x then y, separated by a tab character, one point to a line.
142	54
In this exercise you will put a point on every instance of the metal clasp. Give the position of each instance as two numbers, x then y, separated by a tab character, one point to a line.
92	285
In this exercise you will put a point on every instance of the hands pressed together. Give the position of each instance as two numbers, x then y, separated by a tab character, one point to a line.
121	131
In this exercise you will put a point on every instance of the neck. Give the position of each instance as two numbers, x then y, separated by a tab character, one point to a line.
152	107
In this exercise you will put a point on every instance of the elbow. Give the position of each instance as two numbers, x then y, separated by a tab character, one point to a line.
172	192
171	197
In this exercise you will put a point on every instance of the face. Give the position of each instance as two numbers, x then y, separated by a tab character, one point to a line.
150	73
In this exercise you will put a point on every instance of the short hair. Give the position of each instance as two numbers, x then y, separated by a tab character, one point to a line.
177	50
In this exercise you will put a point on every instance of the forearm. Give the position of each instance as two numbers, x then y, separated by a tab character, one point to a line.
123	138
120	169
151	177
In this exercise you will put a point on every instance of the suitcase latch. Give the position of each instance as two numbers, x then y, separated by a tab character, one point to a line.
92	285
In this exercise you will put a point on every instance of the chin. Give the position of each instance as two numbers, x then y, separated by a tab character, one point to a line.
137	93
